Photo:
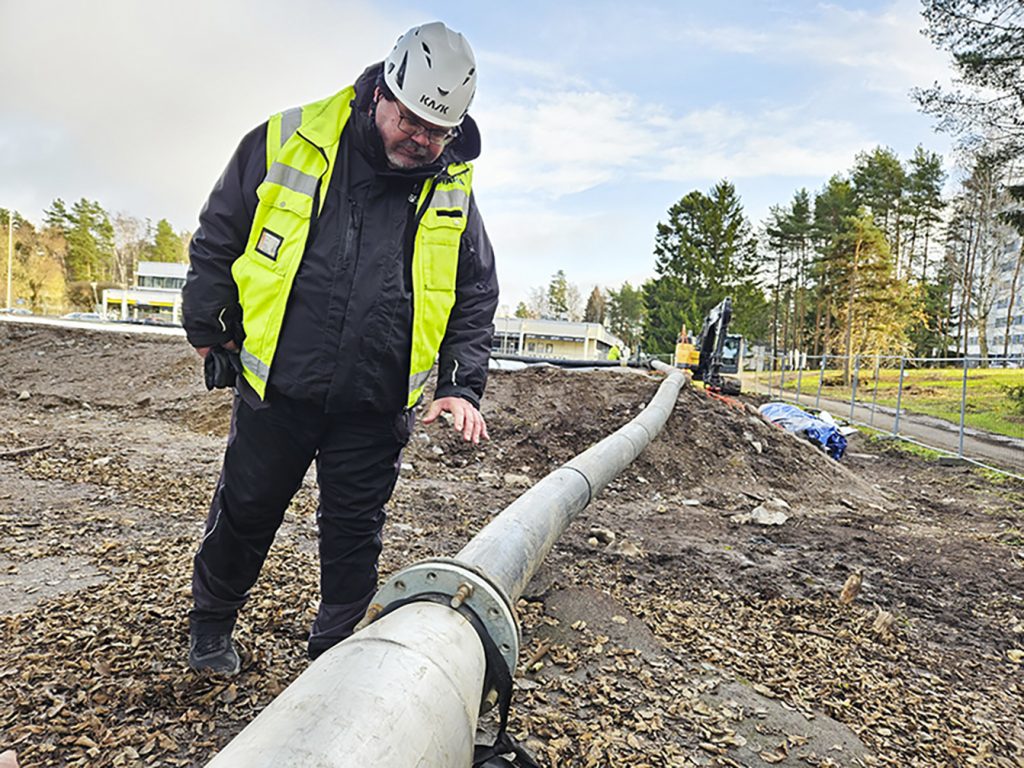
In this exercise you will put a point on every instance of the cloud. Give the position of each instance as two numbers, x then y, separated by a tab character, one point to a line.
589	250
885	51
716	143
556	143
494	64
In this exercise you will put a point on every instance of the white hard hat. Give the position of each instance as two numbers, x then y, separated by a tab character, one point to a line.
432	71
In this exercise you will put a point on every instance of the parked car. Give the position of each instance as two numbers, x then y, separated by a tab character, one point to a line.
82	316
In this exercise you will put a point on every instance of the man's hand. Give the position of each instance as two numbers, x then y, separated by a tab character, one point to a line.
468	420
204	351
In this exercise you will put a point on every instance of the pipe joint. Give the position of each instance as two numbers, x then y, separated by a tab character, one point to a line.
467	588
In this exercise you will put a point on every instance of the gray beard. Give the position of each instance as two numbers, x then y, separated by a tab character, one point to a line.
402	162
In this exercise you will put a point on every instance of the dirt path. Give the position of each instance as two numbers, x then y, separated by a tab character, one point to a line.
691	639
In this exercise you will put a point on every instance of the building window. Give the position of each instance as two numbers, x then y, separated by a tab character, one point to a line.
159	281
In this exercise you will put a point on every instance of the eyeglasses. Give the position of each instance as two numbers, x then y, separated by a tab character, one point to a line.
412	128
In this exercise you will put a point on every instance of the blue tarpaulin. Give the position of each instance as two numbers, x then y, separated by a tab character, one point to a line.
798	421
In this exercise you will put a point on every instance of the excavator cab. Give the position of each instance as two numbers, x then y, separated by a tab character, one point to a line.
718	351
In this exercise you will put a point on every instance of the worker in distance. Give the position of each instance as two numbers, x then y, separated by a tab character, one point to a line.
339	255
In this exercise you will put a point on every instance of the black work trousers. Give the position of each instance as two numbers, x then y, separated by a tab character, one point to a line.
269	450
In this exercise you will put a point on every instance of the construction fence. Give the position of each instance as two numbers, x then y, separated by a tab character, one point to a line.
956	406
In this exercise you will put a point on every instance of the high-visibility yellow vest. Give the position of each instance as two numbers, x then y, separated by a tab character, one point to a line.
302	145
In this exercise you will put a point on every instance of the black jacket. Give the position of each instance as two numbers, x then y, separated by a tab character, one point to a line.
346	337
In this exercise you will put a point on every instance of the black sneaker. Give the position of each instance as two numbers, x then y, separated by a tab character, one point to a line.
213	653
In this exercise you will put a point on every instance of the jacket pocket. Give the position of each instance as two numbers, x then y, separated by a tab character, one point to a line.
441	238
280	228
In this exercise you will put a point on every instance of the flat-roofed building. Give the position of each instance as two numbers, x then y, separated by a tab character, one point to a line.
1005	289
157	293
554	339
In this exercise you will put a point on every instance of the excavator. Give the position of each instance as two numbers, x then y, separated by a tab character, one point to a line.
715	352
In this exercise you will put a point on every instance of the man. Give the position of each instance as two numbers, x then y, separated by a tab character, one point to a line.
339	254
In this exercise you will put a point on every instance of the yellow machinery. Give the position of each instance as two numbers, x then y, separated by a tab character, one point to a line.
714	353
687	354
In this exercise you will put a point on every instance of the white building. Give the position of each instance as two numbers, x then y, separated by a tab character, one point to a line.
554	339
157	293
1004	288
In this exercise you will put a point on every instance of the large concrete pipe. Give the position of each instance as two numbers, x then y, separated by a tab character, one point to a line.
406	689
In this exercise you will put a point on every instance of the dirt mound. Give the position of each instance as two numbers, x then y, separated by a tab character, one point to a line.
661	631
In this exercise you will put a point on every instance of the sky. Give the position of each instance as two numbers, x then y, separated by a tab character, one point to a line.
596	116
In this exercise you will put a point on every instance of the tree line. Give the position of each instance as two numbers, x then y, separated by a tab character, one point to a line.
79	250
877	261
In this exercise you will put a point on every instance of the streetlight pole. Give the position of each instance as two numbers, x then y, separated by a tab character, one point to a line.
10	253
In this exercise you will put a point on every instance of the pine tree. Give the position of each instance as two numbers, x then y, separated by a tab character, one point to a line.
875	309
625	314
704	252
167	245
879	183
90	239
924	205
833	207
595	311
986	39
558	295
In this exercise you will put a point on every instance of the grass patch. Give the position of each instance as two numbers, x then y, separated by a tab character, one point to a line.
886	443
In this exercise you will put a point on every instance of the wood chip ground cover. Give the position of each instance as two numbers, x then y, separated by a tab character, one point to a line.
689	639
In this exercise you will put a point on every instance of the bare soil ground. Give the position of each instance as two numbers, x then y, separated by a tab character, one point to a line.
690	639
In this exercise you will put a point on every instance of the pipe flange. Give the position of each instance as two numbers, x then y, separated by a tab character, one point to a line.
466	587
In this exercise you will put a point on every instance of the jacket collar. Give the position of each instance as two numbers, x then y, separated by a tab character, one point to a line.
322	128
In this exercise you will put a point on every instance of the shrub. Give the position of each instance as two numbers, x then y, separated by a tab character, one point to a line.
1016	394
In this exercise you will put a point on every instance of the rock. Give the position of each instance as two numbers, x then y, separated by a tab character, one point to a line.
144	401
851	588
593	542
517	481
25	395
437	450
101	462
772	512
487	477
882	625
603	535
758	448
625	548
691	502
406	466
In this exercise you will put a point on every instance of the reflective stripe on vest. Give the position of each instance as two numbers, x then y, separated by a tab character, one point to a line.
302	145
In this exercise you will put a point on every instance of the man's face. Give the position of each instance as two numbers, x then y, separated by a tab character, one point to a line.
408	141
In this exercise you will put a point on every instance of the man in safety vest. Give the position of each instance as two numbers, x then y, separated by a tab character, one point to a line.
338	257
